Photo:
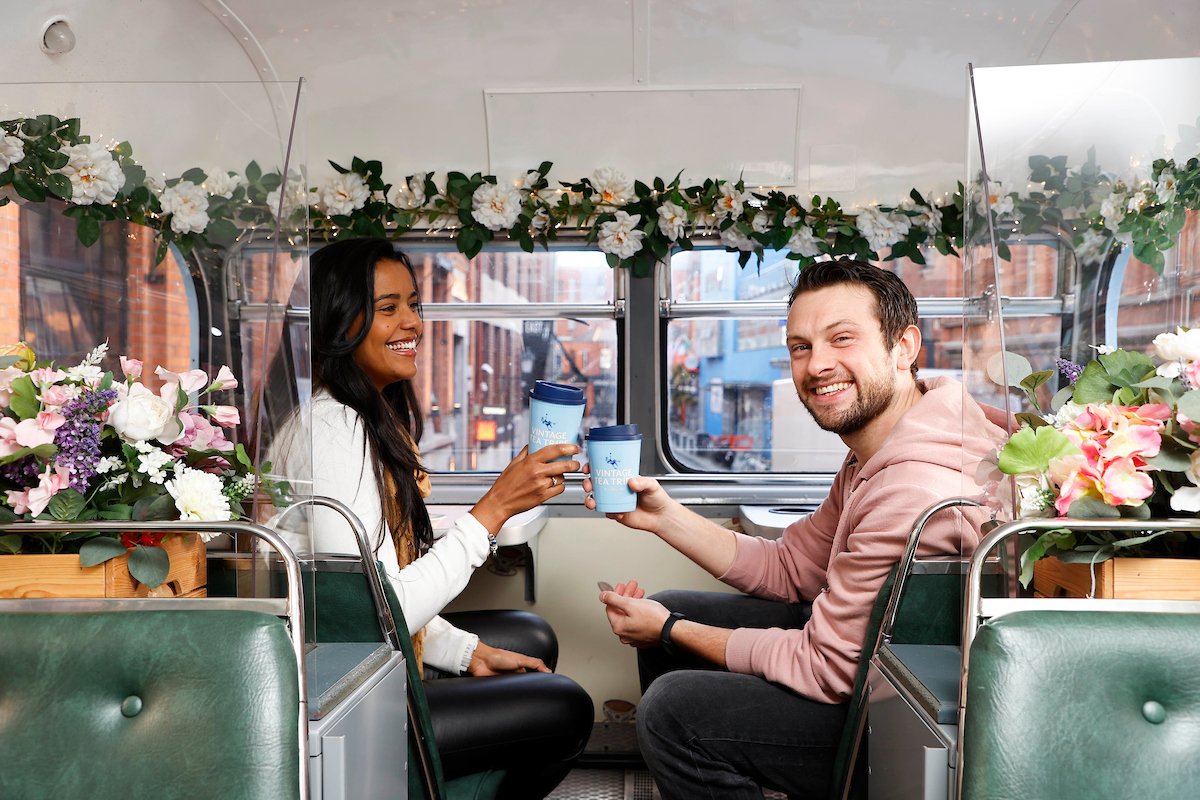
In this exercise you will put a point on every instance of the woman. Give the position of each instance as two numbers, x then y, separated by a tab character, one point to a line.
366	333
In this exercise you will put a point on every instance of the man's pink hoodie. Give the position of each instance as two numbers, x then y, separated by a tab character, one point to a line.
840	555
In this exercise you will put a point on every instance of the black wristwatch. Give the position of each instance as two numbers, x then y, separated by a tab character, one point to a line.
664	638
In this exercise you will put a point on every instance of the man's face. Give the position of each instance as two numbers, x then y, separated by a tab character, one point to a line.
843	373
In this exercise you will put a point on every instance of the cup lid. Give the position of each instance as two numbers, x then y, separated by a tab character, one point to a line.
557	393
612	433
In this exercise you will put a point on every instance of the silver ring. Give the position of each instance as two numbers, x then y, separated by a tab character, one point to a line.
553	481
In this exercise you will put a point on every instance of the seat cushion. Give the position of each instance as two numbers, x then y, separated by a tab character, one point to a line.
1083	705
163	704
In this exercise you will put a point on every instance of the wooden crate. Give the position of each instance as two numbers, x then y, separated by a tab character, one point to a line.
1120	578
47	575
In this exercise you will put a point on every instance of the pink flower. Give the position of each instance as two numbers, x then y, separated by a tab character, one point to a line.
200	434
192	381
225	416
1124	484
46	375
56	396
224	380
132	368
1193	374
36	499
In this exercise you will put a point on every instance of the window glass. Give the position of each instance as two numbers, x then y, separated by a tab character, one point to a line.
731	404
487	340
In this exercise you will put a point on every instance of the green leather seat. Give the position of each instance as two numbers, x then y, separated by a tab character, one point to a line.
139	703
1083	705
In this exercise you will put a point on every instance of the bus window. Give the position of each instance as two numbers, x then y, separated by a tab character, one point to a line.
496	323
731	405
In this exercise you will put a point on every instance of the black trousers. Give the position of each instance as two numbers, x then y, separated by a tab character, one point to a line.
532	724
711	734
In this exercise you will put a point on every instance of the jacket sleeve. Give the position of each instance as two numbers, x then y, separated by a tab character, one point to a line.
428	583
819	661
448	648
792	567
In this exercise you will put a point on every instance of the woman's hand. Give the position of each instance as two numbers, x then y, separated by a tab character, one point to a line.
488	660
528	481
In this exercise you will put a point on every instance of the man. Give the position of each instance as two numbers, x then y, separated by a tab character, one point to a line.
742	691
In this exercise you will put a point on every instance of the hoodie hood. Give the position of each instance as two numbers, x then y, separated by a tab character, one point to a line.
921	434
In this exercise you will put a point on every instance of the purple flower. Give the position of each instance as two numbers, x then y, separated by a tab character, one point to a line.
78	439
1069	369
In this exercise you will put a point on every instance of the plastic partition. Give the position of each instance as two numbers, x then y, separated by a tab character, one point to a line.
1054	148
211	292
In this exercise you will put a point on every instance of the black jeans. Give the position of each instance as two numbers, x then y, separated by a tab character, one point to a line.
533	724
709	733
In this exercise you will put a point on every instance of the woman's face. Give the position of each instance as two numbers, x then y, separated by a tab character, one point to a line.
389	351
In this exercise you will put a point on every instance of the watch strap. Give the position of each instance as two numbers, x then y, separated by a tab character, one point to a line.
664	637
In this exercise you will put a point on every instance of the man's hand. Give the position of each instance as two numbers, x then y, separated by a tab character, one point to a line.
635	620
488	660
652	503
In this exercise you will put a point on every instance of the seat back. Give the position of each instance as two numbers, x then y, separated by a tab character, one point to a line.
140	703
1083	704
150	697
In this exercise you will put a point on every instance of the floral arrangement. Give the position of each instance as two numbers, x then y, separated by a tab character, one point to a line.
1122	440
635	223
76	444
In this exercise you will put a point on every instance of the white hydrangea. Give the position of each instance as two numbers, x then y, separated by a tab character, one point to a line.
187	204
732	237
730	203
95	175
410	194
804	242
1066	414
621	236
12	151
87	374
613	189
222	184
108	464
672	220
198	496
495	206
344	194
154	464
882	229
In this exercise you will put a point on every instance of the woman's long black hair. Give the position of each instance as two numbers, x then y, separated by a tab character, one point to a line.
343	290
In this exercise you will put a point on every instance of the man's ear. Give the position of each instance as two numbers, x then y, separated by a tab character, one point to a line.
907	348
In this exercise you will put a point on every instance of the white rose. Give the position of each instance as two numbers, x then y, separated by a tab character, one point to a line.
761	222
411	194
732	237
672	220
882	229
222	184
95	175
496	207
1113	210
142	415
12	151
187	204
621	236
730	203
1164	190
345	193
613	189
804	242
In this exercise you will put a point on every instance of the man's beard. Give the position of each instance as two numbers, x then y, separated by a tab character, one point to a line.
873	398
